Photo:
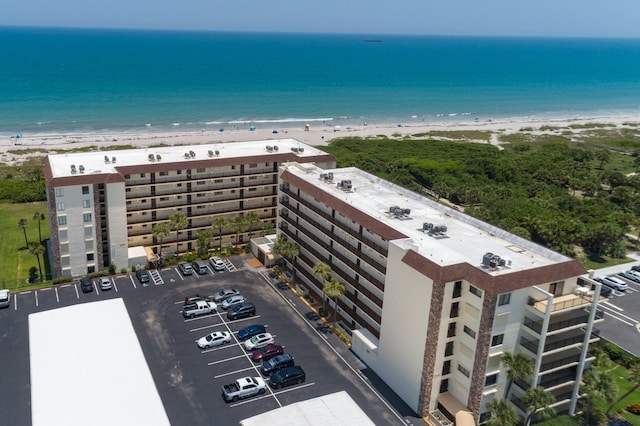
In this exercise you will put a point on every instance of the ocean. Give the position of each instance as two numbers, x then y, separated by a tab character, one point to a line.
79	80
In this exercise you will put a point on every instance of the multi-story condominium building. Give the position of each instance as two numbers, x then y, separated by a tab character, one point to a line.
103	204
434	297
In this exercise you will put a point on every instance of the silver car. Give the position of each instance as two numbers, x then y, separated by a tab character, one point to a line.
5	298
232	300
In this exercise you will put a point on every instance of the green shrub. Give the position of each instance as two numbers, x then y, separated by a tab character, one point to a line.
97	274
124	270
323	312
112	269
61	280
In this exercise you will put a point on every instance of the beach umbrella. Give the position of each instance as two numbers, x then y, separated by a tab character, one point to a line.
252	128
222	129
274	132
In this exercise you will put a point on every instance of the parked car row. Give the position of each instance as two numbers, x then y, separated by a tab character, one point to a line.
200	266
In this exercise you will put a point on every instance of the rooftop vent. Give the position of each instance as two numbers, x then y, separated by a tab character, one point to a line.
73	169
275	148
345	185
81	168
113	159
210	153
192	154
158	157
398	211
106	159
298	149
434	230
493	261
269	148
217	152
152	157
187	155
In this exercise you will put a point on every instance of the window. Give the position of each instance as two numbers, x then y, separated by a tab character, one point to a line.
448	350
60	207
491	380
446	368
253	165
253	177
62	220
88	232
164	173
179	172
451	332
217	181
89	257
64	235
127	176
200	195
86	218
86	204
470	332
85	190
217	193
464	370
200	170
475	290
497	340
233	167
200	182
453	313
444	386
504	299
141	175
127	190
59	192
457	289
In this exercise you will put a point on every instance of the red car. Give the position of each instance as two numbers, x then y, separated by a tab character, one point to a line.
266	353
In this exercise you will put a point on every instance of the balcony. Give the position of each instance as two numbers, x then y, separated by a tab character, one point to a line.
560	303
555	343
380	249
564	321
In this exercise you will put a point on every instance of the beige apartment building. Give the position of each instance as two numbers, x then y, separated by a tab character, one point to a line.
434	297
103	205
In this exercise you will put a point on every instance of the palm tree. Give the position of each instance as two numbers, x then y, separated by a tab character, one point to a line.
177	222
252	220
204	241
287	249
334	289
238	224
597	385
502	413
39	217
37	249
519	367
161	231
219	223
633	377
323	271
22	223
537	400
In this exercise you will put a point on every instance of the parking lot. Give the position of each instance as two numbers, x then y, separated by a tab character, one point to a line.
189	379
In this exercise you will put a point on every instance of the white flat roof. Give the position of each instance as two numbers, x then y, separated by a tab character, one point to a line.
466	239
87	367
94	161
336	409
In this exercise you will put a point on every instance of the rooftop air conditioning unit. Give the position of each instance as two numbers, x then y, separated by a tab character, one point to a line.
73	168
210	153
275	148
81	168
152	157
192	154
330	176
113	159
187	155
158	157
294	149
300	149
427	226
217	152
486	259
106	159
269	148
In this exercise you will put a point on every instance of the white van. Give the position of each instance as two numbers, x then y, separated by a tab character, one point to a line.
200	266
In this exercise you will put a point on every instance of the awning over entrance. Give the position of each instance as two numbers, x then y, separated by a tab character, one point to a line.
456	409
151	256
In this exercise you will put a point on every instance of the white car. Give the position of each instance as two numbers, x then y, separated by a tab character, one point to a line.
214	339
216	263
615	283
104	283
224	293
5	298
258	341
632	275
232	300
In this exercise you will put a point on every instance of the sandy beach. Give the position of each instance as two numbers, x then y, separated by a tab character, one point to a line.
14	148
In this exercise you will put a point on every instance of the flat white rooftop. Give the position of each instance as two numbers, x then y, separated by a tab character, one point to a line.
466	239
87	367
335	409
101	162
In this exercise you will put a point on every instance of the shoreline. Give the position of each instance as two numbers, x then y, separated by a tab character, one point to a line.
316	134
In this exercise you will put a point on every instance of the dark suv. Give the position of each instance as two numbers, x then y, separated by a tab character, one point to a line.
241	310
277	363
143	276
287	376
86	285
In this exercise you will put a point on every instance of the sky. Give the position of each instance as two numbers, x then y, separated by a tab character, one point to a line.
547	18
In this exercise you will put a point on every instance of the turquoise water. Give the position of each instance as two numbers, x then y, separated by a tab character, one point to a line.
55	80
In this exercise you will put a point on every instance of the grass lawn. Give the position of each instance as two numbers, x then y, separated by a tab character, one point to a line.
15	260
619	374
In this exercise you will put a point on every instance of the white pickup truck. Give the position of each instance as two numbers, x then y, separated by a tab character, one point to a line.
200	307
244	388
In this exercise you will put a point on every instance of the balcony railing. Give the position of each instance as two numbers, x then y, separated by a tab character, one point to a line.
380	249
550	346
371	261
559	325
559	303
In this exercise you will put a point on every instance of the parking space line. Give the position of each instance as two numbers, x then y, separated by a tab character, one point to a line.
36	294
25	292
226	359
65	285
219	348
612	306
618	316
205	327
292	388
201	317
115	285
57	296
233	372
15	303
132	281
247	401
242	320
45	289
77	294
96	287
